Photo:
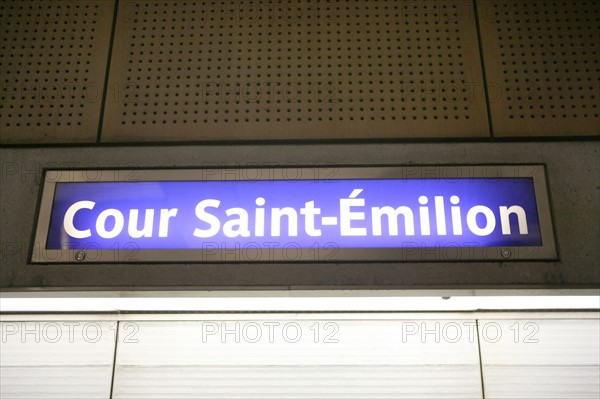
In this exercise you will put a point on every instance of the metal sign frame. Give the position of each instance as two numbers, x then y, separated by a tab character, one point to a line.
327	253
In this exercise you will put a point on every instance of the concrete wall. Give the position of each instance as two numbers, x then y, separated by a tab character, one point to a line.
341	83
573	178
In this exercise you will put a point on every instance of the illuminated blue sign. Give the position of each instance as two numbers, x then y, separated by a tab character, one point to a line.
260	215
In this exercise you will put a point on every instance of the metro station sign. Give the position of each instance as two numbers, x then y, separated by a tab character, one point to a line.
387	214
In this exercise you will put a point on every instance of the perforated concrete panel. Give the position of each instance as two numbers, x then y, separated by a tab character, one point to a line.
542	61
221	70
52	69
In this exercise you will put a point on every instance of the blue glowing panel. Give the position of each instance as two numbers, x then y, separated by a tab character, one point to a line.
357	213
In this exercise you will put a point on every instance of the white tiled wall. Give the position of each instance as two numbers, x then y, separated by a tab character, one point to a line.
280	357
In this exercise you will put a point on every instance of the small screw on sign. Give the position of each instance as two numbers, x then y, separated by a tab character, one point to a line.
79	256
506	253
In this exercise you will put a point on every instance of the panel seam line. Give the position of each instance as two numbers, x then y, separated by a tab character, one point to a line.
483	70
114	365
480	359
107	74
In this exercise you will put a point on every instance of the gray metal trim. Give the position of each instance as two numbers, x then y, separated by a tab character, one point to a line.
327	254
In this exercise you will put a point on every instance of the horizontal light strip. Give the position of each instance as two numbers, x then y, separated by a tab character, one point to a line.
299	301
